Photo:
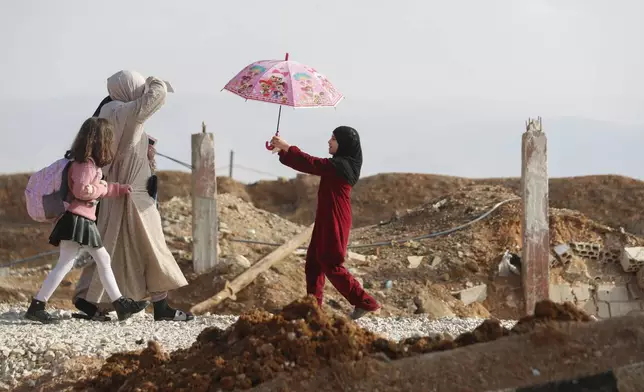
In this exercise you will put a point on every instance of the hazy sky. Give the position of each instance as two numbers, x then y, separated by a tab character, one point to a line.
432	86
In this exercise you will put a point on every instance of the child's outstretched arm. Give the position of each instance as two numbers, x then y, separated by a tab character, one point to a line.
115	189
305	163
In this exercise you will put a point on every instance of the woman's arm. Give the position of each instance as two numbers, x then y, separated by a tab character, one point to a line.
305	163
151	101
141	109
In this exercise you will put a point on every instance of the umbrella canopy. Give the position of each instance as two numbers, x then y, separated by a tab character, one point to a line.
284	82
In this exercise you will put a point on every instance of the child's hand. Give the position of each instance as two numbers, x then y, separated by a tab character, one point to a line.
125	189
279	143
103	182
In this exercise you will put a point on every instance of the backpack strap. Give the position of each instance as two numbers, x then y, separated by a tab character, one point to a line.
64	183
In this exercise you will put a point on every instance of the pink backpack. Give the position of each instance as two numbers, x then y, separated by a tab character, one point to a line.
46	192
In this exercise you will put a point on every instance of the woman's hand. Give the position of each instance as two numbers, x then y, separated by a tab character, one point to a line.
279	143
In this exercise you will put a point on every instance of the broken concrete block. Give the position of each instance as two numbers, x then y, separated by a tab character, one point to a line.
433	307
414	261
356	256
553	261
436	261
603	310
612	293
472	294
619	309
632	259
581	292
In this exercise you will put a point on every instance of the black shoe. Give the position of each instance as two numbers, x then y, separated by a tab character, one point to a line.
126	307
91	311
163	312
37	312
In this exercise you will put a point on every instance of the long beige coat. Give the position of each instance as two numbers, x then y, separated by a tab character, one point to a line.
130	227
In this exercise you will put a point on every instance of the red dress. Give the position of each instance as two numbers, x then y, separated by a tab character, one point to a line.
328	247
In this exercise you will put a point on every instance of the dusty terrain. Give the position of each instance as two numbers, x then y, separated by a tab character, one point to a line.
302	348
406	276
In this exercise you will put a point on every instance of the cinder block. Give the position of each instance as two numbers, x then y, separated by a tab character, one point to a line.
553	261
563	253
561	249
581	292
632	259
612	293
473	294
619	309
635	291
603	310
611	256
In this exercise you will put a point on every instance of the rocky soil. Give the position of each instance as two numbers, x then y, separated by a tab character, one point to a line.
299	341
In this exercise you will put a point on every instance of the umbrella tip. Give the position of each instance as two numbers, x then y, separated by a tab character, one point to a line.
286	58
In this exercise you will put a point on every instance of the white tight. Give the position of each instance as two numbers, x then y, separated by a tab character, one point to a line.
69	251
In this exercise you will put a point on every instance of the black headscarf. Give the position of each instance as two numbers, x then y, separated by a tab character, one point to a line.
348	159
103	102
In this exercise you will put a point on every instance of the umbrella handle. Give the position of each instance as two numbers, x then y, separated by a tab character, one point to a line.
268	144
277	132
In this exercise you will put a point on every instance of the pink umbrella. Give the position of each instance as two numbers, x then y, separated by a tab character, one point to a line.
286	83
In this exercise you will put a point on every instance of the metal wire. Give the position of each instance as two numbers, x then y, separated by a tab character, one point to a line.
392	242
189	166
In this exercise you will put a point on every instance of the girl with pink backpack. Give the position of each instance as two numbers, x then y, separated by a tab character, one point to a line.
75	231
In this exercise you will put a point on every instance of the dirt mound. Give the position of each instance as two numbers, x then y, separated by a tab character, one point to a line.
612	200
300	340
374	198
616	201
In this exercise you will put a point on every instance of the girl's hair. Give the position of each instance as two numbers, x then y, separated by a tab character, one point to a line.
94	140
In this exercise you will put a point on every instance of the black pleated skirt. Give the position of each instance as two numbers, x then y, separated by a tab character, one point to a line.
72	227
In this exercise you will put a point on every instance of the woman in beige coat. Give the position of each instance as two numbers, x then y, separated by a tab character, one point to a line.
131	227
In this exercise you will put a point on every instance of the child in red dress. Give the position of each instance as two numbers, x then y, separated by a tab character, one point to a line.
328	247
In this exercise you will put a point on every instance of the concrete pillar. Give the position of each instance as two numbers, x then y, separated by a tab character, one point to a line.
204	202
534	225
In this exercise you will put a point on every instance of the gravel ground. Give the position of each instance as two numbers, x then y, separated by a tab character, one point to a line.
29	348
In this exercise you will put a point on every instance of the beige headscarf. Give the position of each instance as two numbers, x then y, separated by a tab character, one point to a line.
126	86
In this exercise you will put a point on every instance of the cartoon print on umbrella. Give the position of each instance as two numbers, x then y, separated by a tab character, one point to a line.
285	83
